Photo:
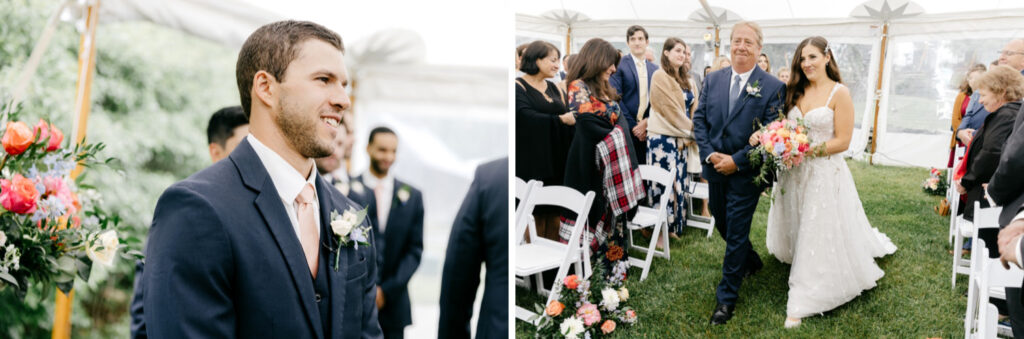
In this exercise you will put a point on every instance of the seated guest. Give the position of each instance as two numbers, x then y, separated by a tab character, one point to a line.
1000	90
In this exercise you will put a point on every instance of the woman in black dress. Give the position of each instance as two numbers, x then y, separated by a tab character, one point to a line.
543	126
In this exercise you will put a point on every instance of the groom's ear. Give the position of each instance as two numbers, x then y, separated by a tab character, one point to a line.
264	88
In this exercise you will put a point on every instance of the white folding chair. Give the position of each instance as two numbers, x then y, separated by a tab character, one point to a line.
951	193
988	280
963	229
542	254
697	190
656	218
523	194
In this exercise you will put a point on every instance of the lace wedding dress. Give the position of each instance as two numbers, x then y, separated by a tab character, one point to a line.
817	224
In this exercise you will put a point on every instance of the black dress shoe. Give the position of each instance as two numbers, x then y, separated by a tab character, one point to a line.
752	271
722	314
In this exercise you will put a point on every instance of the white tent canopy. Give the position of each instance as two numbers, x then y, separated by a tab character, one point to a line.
930	46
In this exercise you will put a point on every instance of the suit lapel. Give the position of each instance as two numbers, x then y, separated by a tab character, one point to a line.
632	71
721	94
271	208
336	279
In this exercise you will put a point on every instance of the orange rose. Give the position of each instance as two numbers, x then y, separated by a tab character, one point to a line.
17	138
18	195
614	253
572	282
554	308
608	326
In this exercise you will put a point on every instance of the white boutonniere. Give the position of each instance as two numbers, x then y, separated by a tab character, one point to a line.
342	187
347	227
357	187
754	89
403	193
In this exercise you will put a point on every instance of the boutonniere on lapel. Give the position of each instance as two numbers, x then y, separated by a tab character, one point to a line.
347	227
403	193
357	186
754	89
342	187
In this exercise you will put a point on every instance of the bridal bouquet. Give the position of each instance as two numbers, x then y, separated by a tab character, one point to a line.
51	227
783	145
591	308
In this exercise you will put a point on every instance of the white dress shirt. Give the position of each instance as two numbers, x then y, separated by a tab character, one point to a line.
1020	253
288	182
384	199
743	80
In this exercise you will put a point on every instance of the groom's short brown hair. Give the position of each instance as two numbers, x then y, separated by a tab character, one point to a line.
271	48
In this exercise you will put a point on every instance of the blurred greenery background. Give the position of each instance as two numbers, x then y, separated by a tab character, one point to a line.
153	92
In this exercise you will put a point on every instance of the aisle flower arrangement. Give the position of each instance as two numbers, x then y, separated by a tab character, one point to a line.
588	308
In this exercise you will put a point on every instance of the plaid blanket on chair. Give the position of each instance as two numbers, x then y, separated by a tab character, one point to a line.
623	186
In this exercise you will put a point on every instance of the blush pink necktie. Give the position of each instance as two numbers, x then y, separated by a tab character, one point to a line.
306	215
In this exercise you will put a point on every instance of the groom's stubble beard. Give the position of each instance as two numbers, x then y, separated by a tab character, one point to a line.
300	130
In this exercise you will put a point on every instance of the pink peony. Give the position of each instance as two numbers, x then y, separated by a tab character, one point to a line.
18	195
56	186
589	314
46	130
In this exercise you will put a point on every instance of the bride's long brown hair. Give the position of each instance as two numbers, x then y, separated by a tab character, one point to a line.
798	80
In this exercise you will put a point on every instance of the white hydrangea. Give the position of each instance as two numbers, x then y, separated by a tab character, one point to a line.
609	299
572	327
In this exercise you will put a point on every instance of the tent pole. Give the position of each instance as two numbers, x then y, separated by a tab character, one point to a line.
718	41
86	64
878	91
568	40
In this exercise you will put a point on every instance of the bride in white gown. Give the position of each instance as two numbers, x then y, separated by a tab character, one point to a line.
816	222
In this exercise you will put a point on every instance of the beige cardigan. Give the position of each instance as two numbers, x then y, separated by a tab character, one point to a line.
668	108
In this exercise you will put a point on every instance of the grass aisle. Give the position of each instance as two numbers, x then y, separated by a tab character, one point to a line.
912	300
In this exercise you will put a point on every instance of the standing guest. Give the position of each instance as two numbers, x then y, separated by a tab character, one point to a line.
960	104
479	235
784	75
543	128
764	63
632	80
1007	189
396	211
1001	89
244	248
227	127
595	103
565	67
670	130
707	69
332	167
720	63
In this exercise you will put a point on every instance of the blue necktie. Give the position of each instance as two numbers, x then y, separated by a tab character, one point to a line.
734	94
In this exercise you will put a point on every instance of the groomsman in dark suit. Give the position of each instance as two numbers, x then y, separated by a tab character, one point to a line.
245	248
632	78
479	235
396	211
333	167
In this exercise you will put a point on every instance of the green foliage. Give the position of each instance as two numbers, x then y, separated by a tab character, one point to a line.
153	92
913	300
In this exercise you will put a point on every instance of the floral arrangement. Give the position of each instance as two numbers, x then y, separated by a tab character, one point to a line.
936	184
51	227
591	308
783	145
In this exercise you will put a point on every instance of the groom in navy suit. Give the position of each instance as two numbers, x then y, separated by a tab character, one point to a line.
733	101
632	78
245	248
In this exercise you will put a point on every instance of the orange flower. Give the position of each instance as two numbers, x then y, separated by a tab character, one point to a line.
572	281
614	253
554	308
17	138
608	326
18	195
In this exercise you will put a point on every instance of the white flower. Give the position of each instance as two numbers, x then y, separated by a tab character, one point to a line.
342	226
104	248
403	194
3	238
572	327
609	299
623	294
357	187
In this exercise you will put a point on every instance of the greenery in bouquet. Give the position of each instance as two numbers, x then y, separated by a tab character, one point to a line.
587	308
52	228
936	184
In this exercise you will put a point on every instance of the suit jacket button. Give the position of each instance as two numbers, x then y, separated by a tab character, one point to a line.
318	297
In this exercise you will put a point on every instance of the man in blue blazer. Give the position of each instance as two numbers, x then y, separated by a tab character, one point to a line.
632	78
479	235
245	248
396	212
733	101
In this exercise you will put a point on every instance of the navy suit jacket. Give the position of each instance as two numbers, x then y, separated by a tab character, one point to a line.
399	250
718	131
625	81
479	234
223	261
